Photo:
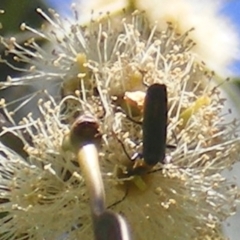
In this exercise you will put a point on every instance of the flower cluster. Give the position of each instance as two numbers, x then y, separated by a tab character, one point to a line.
104	68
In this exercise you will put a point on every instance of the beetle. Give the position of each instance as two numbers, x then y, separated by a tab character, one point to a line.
83	139
154	124
154	128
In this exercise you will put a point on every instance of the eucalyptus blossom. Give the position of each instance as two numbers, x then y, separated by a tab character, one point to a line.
104	68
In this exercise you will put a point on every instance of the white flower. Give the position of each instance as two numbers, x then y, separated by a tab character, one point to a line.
42	196
215	36
101	64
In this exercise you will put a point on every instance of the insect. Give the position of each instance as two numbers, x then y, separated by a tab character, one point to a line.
84	135
154	128
155	124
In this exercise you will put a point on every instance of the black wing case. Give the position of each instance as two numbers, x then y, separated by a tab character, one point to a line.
155	124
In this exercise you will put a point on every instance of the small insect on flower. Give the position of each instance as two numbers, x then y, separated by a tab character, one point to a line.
83	137
154	135
155	124
154	127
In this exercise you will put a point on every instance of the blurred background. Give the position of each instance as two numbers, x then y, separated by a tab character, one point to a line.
18	11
